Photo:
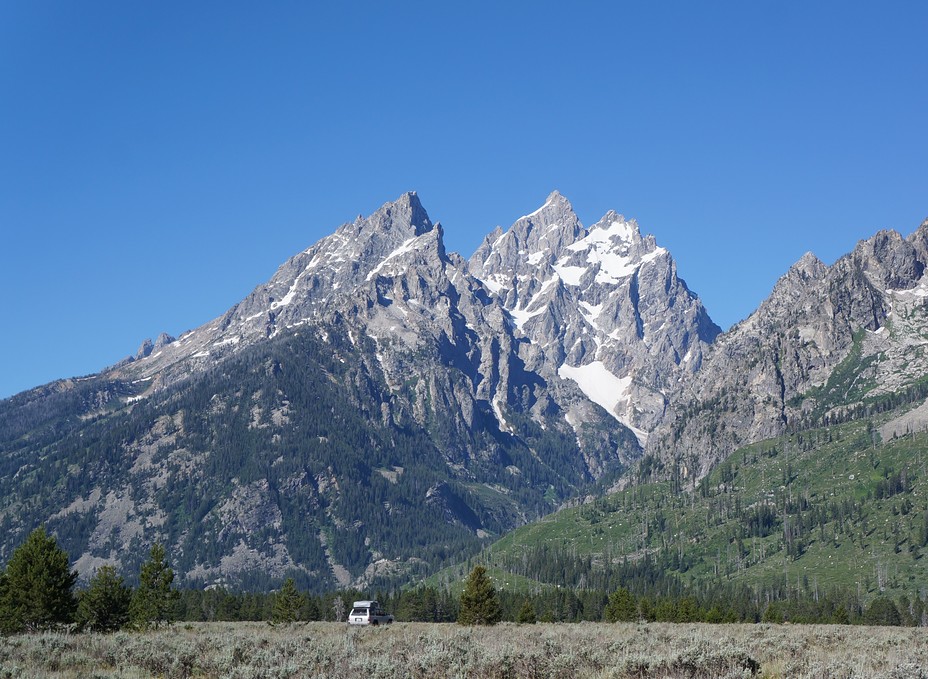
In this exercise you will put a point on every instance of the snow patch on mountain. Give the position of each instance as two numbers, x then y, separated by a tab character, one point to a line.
570	274
494	284
291	293
521	316
600	385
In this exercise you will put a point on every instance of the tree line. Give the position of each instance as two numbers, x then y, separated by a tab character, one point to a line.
37	592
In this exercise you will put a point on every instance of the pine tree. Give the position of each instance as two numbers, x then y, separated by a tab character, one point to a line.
154	600
527	614
479	604
104	606
882	611
622	606
287	603
36	591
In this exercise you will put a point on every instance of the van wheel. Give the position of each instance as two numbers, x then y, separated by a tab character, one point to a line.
374	623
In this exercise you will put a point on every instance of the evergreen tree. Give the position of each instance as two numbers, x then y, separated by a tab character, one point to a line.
154	600
882	611
622	606
479	604
287	603
104	606
840	616
527	614
36	591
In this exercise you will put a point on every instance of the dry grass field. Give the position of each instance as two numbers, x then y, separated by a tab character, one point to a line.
589	650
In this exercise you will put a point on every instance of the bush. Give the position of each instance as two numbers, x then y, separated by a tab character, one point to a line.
527	614
882	611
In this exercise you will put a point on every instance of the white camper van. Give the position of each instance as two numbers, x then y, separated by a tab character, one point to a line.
368	613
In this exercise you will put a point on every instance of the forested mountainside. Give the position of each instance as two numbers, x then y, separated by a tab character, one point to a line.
834	516
283	461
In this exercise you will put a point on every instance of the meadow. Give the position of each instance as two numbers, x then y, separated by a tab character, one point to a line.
590	650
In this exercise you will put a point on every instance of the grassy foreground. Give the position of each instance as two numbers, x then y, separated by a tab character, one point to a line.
590	650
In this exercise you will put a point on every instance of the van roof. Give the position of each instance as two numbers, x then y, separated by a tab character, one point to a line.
365	604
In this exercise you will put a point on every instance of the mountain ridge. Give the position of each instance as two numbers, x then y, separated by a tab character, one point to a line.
377	383
179	441
765	369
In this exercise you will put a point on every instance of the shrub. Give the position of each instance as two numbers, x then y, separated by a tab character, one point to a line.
882	611
527	614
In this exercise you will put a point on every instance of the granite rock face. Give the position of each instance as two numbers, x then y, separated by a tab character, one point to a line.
777	369
601	307
388	278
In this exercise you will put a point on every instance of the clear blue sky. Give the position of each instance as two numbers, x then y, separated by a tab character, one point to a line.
158	160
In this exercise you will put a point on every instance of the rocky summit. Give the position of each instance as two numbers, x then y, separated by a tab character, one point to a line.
600	307
382	407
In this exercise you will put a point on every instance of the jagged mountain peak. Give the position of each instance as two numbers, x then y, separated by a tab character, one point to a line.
611	217
919	239
397	236
533	240
922	229
809	260
864	312
390	225
409	204
618	226
603	307
555	222
556	201
890	261
807	266
353	254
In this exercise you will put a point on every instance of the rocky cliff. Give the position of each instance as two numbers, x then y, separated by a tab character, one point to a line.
827	343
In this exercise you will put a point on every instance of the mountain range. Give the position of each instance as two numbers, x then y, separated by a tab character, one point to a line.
382	407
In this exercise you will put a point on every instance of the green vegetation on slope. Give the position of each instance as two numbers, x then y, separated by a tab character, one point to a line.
819	511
